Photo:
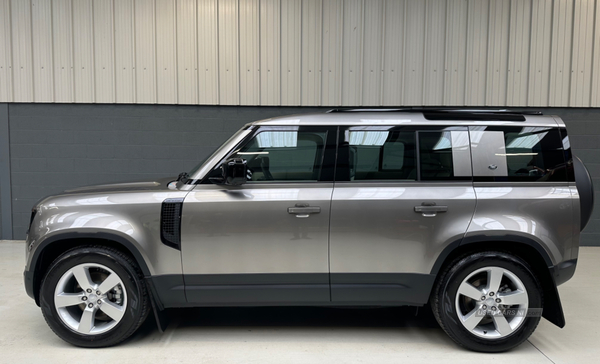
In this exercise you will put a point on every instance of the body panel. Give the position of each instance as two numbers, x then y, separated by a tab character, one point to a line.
248	230
538	211
130	211
375	229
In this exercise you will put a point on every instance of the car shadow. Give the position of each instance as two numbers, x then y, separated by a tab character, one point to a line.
201	320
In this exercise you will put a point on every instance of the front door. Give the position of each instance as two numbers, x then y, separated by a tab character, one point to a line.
266	241
402	194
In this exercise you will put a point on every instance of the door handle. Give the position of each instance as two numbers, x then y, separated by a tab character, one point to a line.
303	210
430	209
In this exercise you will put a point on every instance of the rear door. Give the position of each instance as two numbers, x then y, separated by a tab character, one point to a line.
401	195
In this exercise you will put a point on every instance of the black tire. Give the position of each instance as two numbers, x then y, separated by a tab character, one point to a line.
137	307
446	289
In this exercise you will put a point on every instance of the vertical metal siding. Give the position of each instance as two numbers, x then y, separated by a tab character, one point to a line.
83	51
166	53
372	53
352	53
62	41
229	70
249	45
476	67
583	41
497	55
41	23
145	61
331	93
595	97
187	63
539	59
311	52
270	59
518	52
104	50
302	52
208	53
124	52
560	58
435	57
22	51
6	73
456	48
291	47
414	52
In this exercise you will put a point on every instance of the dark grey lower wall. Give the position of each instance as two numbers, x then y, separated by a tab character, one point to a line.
58	146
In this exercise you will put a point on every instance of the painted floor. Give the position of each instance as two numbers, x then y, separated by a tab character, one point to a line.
296	335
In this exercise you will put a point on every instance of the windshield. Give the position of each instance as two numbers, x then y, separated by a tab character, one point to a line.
214	153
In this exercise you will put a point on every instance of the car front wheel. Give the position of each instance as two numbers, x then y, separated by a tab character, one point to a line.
489	302
94	296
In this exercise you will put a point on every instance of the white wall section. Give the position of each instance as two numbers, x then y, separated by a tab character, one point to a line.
302	52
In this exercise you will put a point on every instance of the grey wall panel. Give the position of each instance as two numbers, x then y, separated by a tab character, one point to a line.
59	146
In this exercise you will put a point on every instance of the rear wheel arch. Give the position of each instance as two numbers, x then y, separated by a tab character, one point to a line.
528	250
52	248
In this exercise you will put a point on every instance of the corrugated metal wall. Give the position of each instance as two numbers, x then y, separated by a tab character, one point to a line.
302	52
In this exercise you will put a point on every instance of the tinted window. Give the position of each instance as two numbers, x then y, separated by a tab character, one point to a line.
284	155
518	154
381	155
444	155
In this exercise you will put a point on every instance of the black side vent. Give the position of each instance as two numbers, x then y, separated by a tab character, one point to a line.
170	222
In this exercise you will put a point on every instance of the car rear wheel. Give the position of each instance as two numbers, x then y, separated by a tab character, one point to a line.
488	302
94	296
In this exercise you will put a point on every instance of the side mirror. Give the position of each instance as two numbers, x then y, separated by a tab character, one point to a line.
233	172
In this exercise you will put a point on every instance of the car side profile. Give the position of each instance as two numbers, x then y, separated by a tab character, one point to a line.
476	213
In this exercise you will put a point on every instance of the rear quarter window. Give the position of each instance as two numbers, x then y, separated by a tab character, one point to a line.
519	154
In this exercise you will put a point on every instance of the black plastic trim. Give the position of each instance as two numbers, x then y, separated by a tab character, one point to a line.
100	235
257	289
564	271
168	289
170	226
405	288
585	188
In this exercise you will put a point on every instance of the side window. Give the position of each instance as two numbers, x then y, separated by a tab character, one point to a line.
526	154
381	155
284	155
444	155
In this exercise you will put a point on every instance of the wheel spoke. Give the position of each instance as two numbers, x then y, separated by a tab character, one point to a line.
109	283
82	275
114	311
502	325
494	279
87	321
514	298
472	319
468	290
68	299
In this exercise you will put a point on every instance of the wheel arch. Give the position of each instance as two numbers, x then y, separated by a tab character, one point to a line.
52	247
527	249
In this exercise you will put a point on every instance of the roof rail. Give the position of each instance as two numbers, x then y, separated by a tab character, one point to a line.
434	109
454	113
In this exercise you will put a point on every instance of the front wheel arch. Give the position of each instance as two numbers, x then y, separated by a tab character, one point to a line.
530	251
52	248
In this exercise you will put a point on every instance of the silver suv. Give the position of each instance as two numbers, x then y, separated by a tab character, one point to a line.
474	212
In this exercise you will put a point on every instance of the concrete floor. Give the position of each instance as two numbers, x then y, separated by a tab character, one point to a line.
296	335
